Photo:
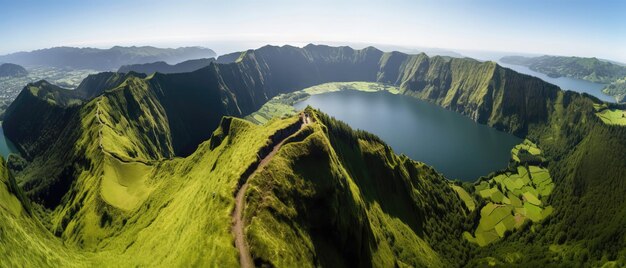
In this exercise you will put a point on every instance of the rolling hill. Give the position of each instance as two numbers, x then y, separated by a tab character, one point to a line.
163	67
104	59
135	166
12	70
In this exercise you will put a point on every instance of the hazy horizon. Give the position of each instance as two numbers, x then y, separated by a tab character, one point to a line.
568	28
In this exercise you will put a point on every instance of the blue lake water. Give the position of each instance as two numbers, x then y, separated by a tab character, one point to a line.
6	146
453	144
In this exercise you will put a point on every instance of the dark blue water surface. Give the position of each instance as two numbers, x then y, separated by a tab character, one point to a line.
6	146
453	144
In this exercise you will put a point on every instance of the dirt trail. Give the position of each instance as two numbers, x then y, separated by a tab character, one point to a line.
245	258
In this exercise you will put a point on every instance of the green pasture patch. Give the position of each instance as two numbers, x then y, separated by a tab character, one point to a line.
482	186
547	189
514	200
497	196
547	211
531	198
533	212
529	189
487	209
484	238
359	86
521	171
497	215
467	199
613	117
500	229
500	178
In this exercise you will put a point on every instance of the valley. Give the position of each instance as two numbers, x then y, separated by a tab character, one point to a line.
129	169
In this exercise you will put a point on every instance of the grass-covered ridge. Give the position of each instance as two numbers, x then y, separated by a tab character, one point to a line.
315	204
193	198
330	189
611	115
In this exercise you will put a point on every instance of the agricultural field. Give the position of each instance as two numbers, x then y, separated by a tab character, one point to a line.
526	151
513	196
281	106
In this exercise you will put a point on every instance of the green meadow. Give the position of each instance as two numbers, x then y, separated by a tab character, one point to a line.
511	197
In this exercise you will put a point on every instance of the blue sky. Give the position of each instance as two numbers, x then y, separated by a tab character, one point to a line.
572	27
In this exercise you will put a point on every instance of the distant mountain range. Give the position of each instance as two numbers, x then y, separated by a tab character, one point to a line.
591	69
139	170
105	59
163	67
12	70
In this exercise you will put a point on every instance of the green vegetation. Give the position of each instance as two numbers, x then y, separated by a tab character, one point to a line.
10	86
141	171
611	116
129	209
278	107
590	69
513	196
358	86
467	199
617	89
315	204
151	202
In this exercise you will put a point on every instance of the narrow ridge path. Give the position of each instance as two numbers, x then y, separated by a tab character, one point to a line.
245	258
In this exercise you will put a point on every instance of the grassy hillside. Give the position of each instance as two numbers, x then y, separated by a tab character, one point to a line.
126	212
316	204
124	166
587	166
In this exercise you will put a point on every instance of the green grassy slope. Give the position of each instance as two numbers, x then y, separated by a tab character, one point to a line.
337	197
483	91
122	172
177	212
25	241
587	166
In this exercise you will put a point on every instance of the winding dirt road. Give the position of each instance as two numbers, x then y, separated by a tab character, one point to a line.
245	258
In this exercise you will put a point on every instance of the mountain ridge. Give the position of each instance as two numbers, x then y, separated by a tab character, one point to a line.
164	67
105	59
151	123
